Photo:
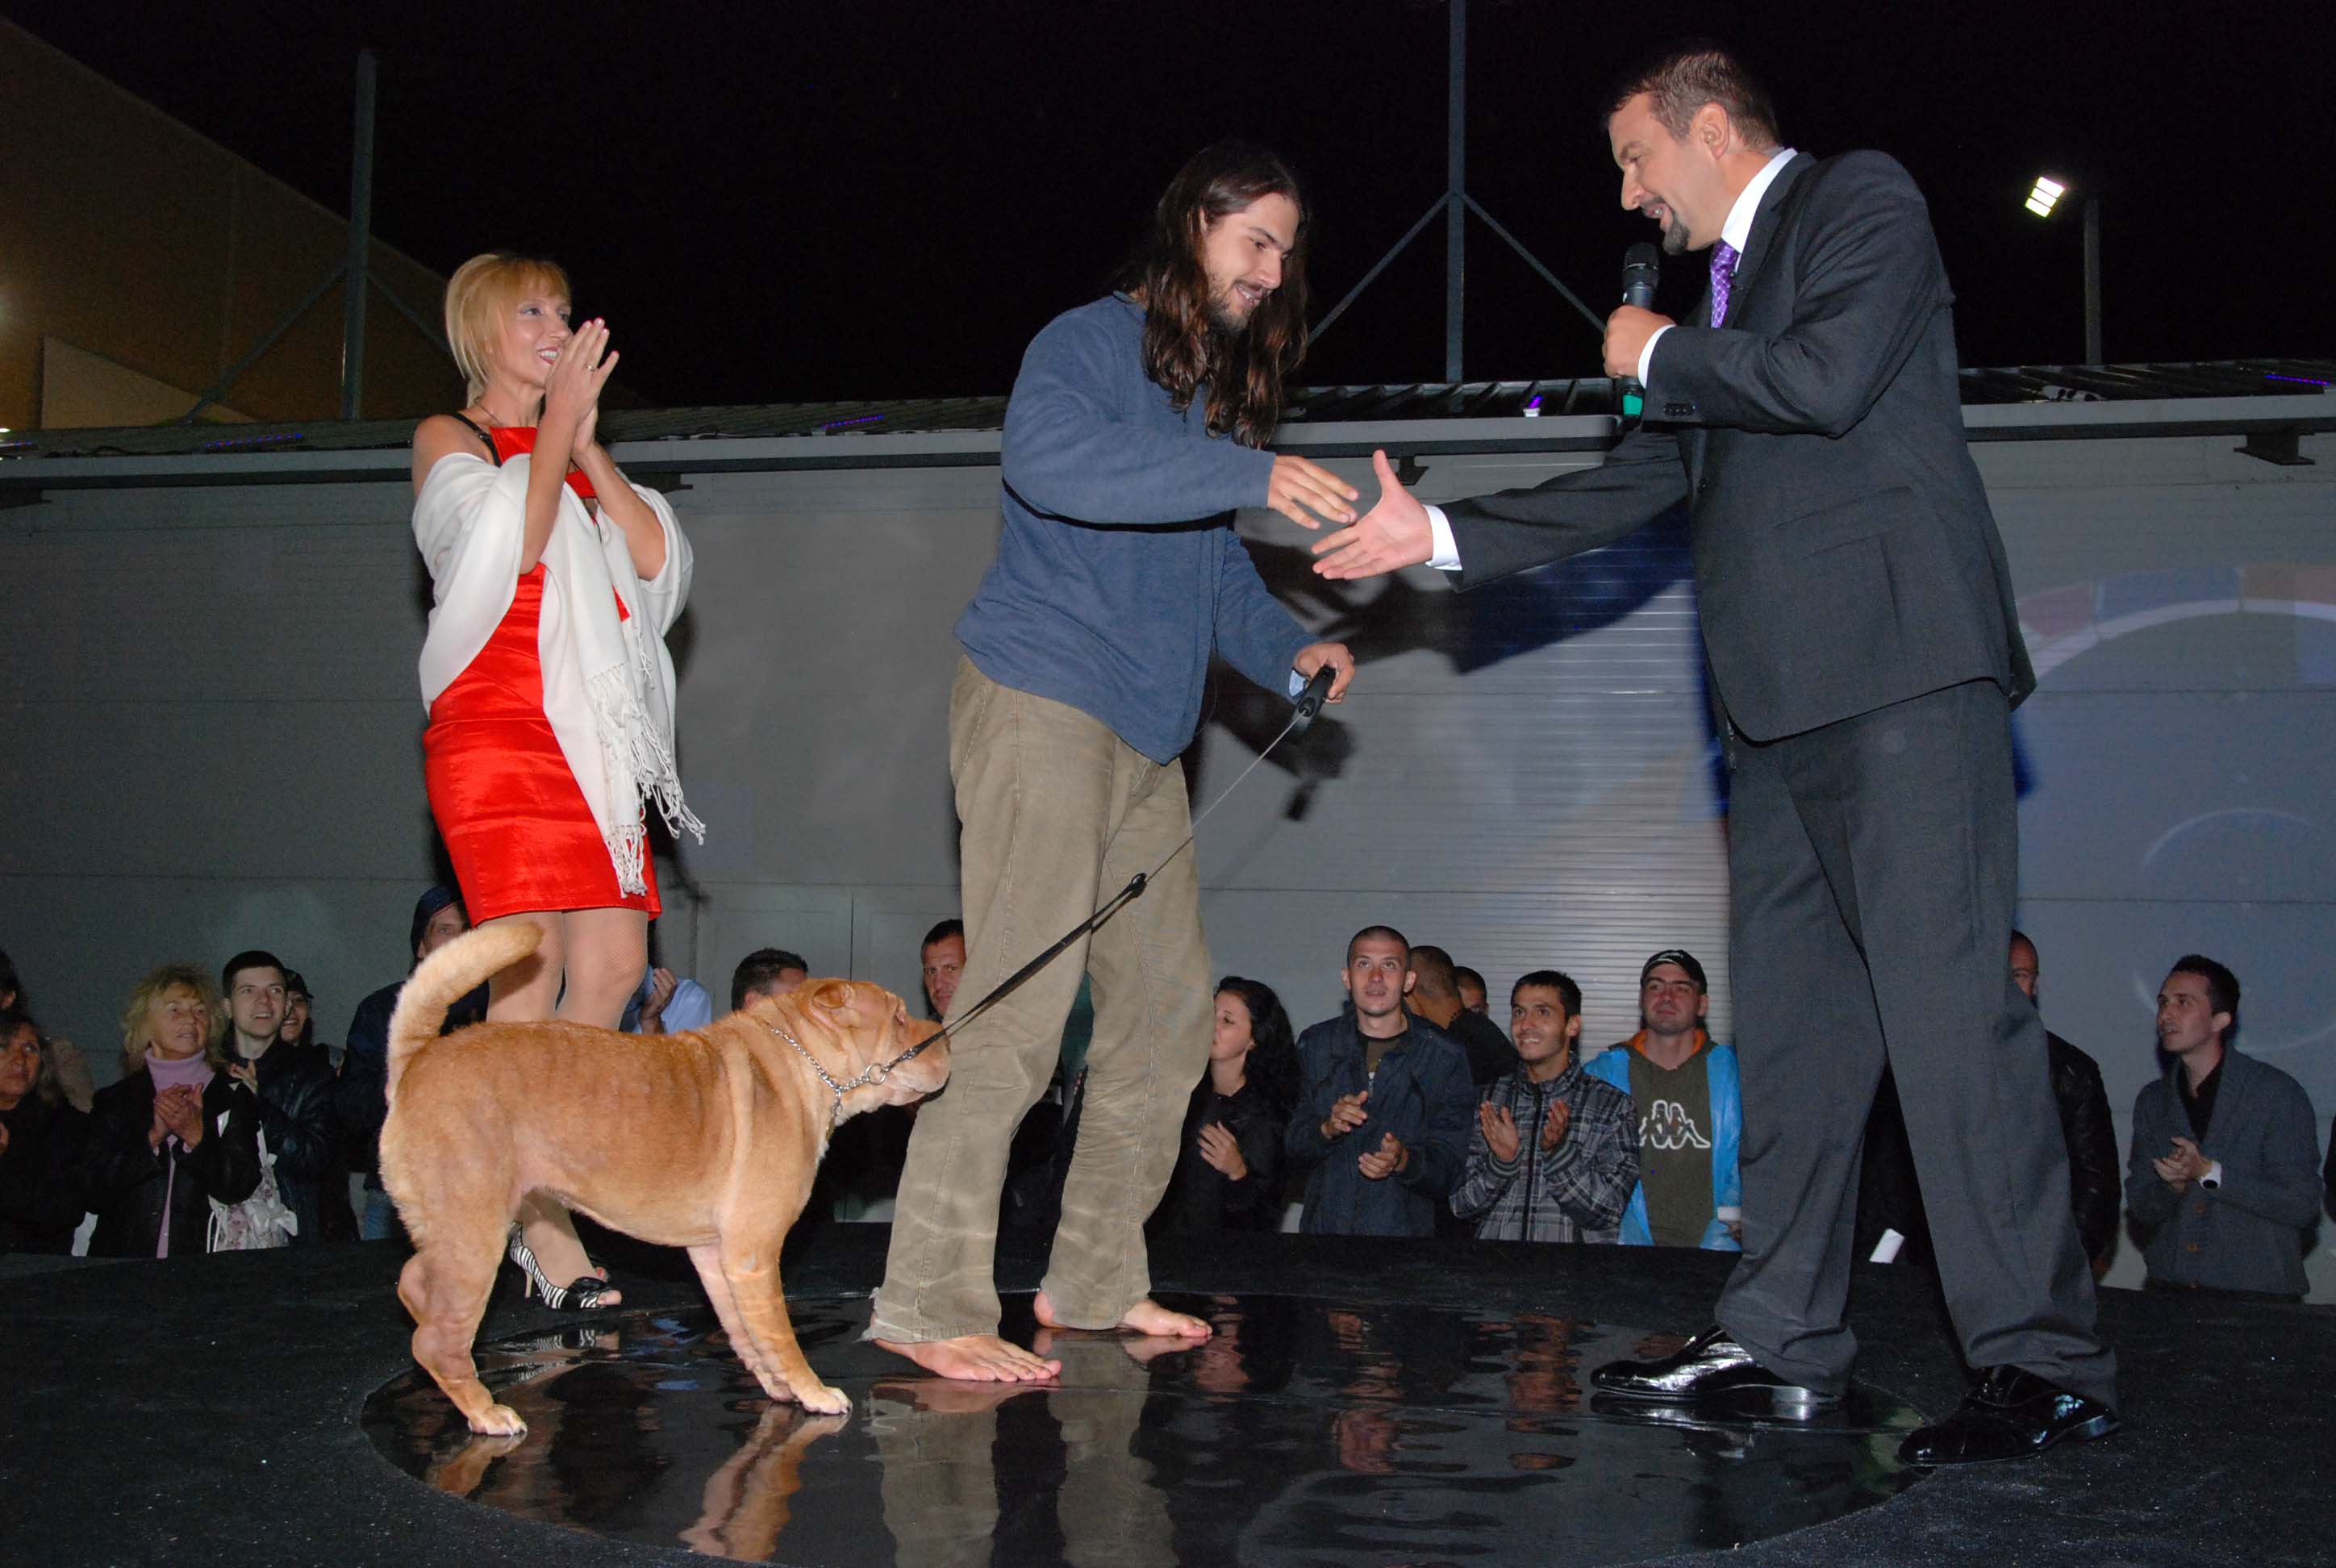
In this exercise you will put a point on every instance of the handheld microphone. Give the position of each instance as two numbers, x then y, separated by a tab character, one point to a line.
1642	267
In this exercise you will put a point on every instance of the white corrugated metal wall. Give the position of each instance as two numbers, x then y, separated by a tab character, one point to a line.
213	714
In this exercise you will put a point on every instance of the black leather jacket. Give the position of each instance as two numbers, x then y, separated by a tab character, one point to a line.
2095	1174
296	1117
1890	1196
126	1177
1202	1198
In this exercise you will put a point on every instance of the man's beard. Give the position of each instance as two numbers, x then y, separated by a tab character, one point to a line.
1223	318
1674	237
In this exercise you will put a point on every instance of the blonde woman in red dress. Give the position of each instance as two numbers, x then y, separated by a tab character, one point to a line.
550	688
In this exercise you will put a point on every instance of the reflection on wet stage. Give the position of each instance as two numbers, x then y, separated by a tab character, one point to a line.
1305	1431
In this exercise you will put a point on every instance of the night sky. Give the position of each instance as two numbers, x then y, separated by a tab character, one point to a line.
792	202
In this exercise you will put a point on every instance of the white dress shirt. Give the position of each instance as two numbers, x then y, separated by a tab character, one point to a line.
1444	554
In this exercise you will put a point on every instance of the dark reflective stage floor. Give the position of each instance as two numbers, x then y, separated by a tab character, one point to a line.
1308	1431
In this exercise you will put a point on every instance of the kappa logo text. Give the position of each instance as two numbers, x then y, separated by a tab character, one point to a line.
1667	1125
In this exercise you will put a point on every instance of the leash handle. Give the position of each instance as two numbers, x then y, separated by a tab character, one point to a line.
1310	700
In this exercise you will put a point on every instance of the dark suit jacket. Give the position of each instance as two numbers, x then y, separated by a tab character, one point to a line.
1844	554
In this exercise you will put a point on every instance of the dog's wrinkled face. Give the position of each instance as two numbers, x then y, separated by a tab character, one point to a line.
867	1026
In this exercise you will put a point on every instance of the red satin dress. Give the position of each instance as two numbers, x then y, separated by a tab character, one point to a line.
514	821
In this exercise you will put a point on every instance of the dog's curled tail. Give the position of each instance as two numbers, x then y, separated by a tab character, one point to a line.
446	976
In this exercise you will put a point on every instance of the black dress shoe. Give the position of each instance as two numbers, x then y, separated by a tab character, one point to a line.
1711	1368
2012	1414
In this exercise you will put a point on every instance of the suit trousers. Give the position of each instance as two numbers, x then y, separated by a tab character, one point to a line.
1874	864
1057	814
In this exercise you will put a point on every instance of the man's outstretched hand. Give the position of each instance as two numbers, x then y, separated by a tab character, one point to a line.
1300	489
1394	533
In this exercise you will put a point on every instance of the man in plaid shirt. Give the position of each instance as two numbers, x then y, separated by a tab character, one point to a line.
1555	1154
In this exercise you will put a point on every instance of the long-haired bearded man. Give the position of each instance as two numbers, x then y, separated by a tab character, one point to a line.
1136	428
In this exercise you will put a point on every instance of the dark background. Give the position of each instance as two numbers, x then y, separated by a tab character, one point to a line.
798	202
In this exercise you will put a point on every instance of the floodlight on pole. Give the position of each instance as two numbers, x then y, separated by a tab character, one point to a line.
2043	200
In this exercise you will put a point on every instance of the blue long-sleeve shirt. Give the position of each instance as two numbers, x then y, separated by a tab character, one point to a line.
1118	570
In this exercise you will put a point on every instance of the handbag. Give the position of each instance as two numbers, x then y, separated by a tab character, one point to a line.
263	1220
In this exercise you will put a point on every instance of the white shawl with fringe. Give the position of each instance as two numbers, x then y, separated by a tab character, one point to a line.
608	680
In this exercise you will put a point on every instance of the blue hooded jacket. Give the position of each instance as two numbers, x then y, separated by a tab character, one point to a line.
1614	1066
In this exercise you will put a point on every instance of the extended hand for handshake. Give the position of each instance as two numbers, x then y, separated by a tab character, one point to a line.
1396	533
1393	534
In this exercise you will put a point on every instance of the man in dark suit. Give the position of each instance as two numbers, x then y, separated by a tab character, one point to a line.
1864	653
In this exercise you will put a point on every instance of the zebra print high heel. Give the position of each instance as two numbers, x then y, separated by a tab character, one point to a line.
586	1294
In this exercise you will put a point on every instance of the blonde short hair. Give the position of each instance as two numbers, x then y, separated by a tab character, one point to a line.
153	989
479	295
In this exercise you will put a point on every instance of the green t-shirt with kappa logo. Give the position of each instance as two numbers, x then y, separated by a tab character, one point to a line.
1675	1145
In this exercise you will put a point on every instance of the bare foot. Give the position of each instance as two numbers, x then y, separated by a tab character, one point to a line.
976	1359
1146	1317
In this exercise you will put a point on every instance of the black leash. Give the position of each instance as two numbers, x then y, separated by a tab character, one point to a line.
1309	703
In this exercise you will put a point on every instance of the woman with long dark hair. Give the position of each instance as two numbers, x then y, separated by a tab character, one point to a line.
1228	1167
550	688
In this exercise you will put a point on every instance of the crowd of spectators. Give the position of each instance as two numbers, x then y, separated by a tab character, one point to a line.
1410	1113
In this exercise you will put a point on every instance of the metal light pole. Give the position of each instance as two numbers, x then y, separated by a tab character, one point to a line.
1456	204
2093	354
350	270
352	312
1456	190
2043	200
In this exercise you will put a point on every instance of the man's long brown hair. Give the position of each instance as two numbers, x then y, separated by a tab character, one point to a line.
1183	349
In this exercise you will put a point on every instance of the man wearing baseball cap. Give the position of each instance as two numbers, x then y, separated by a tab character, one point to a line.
1690	1113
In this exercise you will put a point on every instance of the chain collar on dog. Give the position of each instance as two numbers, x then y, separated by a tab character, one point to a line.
874	1076
876	1073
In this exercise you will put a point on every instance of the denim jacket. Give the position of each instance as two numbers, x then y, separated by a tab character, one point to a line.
1422	1093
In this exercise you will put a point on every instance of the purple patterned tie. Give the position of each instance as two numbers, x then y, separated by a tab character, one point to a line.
1722	279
